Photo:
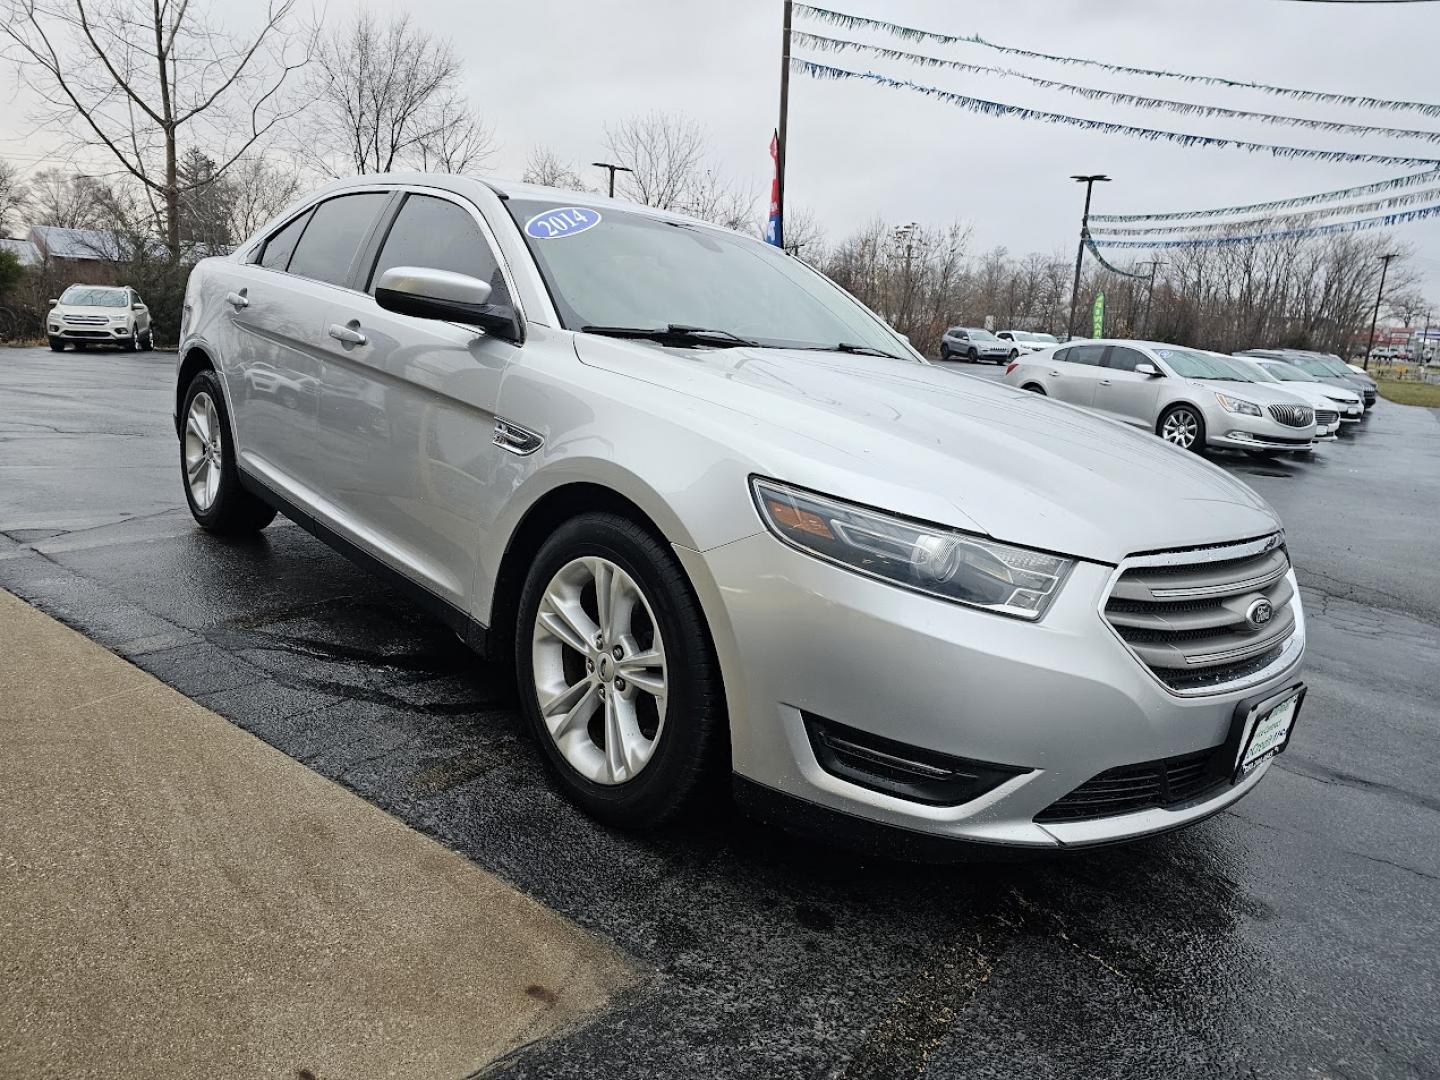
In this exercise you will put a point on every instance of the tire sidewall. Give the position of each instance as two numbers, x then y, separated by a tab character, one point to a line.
1199	444
691	706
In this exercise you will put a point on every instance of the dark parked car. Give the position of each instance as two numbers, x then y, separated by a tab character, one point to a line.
1323	367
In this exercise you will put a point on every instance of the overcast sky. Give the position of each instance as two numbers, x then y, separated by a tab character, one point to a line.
557	71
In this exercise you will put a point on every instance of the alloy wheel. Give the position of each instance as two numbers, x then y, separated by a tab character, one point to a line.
202	450
599	670
1181	427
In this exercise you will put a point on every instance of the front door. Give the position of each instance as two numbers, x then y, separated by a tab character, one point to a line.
1123	394
407	414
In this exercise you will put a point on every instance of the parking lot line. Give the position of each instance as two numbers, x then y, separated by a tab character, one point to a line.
178	899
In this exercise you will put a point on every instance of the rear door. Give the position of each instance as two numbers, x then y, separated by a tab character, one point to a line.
1123	394
1071	374
407	414
279	308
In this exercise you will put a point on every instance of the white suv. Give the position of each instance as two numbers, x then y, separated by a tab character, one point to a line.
99	315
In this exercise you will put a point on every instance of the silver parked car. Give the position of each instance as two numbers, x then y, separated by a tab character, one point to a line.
975	345
1190	398
1333	405
725	522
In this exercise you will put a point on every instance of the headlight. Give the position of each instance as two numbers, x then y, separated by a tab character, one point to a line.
930	559
119	320
1236	405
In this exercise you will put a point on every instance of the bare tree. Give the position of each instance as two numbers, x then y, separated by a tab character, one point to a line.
14	197
389	95
258	191
134	76
67	200
670	170
545	167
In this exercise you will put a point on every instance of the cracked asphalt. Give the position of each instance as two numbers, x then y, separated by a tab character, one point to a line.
1297	934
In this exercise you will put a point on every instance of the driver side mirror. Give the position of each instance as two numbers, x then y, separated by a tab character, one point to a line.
1148	369
53	302
442	294
137	306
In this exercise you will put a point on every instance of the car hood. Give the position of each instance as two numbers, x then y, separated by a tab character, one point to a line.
77	309
1258	393
954	449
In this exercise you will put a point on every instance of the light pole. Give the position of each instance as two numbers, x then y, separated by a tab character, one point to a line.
782	137
1150	294
1089	182
613	169
1374	318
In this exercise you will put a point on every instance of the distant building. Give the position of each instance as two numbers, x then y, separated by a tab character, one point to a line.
79	256
24	250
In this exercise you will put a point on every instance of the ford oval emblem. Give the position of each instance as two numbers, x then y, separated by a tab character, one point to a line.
1259	613
562	221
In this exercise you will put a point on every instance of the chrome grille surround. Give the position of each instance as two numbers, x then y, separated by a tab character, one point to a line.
86	320
1293	415
1325	418
1186	615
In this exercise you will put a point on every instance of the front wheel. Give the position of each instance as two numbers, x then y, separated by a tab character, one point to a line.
1184	427
1014	354
617	674
207	464
56	345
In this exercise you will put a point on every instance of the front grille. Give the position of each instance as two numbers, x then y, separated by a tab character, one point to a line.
1166	783
1325	418
1293	415
86	320
1197	619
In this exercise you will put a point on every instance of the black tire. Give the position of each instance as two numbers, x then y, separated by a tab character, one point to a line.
133	345
973	355
1014	354
148	341
944	353
235	512
1035	388
693	738
1197	445
56	345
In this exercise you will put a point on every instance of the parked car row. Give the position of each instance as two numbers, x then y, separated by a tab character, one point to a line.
974	344
86	315
1267	402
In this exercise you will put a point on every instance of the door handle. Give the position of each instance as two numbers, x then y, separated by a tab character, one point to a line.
1104	382
237	300
348	335
1055	373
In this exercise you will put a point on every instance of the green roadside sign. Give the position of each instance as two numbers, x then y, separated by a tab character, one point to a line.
1097	328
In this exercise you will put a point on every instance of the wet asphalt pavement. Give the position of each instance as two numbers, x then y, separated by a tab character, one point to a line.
1297	934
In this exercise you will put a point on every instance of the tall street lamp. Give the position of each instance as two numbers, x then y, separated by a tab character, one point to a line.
1089	182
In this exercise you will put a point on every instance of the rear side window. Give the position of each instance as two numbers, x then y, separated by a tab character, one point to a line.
439	235
1089	355
1124	359
337	229
281	245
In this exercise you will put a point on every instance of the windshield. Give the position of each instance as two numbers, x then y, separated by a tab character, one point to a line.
1251	368
1288	373
616	268
1045	339
1197	365
90	296
981	335
1313	366
1335	367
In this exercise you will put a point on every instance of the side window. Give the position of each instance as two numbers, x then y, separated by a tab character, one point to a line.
439	235
1063	355
337	229
1088	355
1122	359
281	245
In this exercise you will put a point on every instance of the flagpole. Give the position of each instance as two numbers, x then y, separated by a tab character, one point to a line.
780	138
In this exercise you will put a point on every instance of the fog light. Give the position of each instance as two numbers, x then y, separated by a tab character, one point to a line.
894	768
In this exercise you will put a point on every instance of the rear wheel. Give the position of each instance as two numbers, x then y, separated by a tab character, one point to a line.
1035	388
147	340
1183	426
617	674
207	464
944	352
973	355
1014	353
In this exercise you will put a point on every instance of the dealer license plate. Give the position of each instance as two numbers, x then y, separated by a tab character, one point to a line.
1269	733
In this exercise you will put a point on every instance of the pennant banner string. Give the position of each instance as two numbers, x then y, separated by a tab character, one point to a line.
996	108
1095	251
910	33
1304	218
1381	222
831	44
1409	180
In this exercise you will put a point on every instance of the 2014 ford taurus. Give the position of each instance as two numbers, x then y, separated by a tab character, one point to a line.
727	522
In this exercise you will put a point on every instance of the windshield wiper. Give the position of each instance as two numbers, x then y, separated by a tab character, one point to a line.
673	334
851	347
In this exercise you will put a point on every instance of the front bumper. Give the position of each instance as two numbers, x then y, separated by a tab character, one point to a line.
1239	431
96	334
1062	699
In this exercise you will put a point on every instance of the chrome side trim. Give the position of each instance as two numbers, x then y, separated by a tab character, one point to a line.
516	439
